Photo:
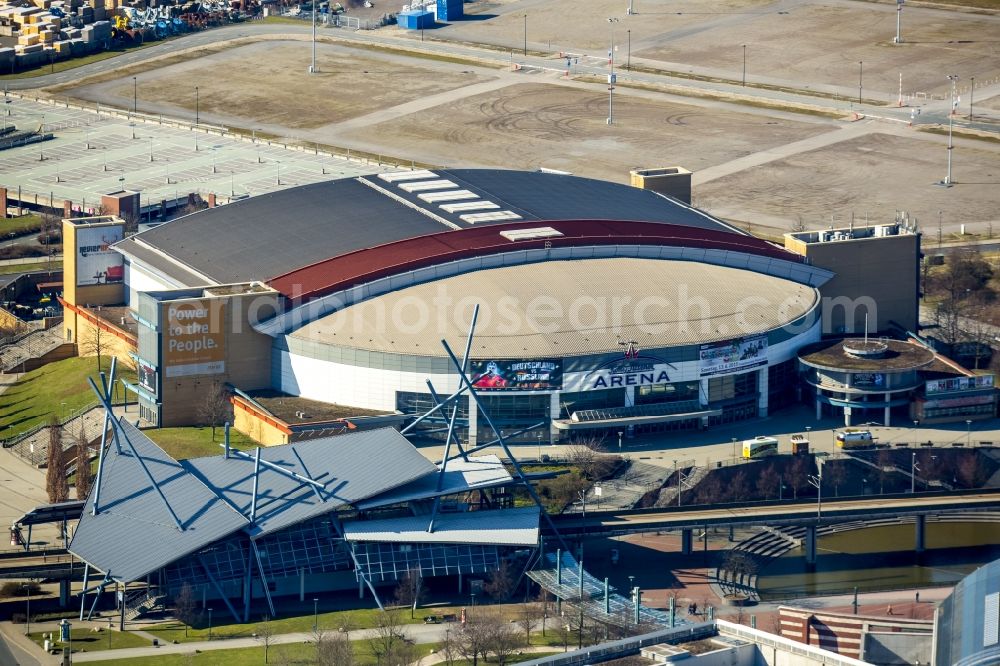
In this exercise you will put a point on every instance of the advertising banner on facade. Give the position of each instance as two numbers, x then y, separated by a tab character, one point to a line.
147	376
96	262
873	380
732	356
193	337
536	375
953	384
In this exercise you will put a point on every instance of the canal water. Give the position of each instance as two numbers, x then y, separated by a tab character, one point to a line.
882	558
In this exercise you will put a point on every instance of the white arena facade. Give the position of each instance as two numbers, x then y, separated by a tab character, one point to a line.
603	308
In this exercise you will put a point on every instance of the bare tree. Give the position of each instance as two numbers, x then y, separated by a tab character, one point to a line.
884	462
544	596
835	473
970	470
592	458
738	486
184	607
740	563
965	278
472	640
408	590
708	491
83	476
216	408
56	485
768	481
93	344
798	474
501	583
528	620
264	634
449	648
503	639
387	642
333	648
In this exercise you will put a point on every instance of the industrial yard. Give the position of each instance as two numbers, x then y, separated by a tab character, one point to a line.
444	101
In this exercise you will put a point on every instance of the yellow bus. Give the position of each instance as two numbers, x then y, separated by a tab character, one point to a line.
855	439
759	446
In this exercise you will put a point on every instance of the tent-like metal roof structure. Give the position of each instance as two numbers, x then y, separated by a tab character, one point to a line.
144	522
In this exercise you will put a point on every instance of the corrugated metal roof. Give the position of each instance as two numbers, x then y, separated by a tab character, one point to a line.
508	527
270	234
353	467
460	476
134	533
695	303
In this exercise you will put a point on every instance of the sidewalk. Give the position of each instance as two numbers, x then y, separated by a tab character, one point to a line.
418	633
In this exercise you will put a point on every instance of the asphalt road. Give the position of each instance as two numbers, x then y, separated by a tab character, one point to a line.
934	112
806	509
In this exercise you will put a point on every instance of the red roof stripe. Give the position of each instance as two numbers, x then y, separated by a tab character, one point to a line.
361	266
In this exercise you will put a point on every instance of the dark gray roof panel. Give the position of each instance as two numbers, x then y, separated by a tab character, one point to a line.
134	533
353	467
270	234
547	196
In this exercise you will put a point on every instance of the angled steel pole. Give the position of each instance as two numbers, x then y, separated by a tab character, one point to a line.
263	577
256	482
502	443
493	442
142	463
104	437
302	464
83	592
236	453
357	565
451	421
433	410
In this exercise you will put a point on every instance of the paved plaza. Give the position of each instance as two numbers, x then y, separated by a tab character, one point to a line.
97	150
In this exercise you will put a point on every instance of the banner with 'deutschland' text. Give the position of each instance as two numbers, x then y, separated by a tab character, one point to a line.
194	337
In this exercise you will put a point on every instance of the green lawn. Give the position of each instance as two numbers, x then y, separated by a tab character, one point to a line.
20	225
9	269
57	388
195	442
85	640
354	619
292	653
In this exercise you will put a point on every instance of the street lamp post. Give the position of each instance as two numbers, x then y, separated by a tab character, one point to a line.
135	95
526	35
196	106
861	73
951	126
972	91
968	431
744	65
315	605
619	442
312	67
817	482
734	448
611	75
209	624
914	468
27	610
628	60
899	16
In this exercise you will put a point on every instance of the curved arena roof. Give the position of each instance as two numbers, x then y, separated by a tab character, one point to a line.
269	235
569	308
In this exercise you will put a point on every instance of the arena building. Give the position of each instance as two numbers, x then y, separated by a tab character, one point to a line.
603	307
